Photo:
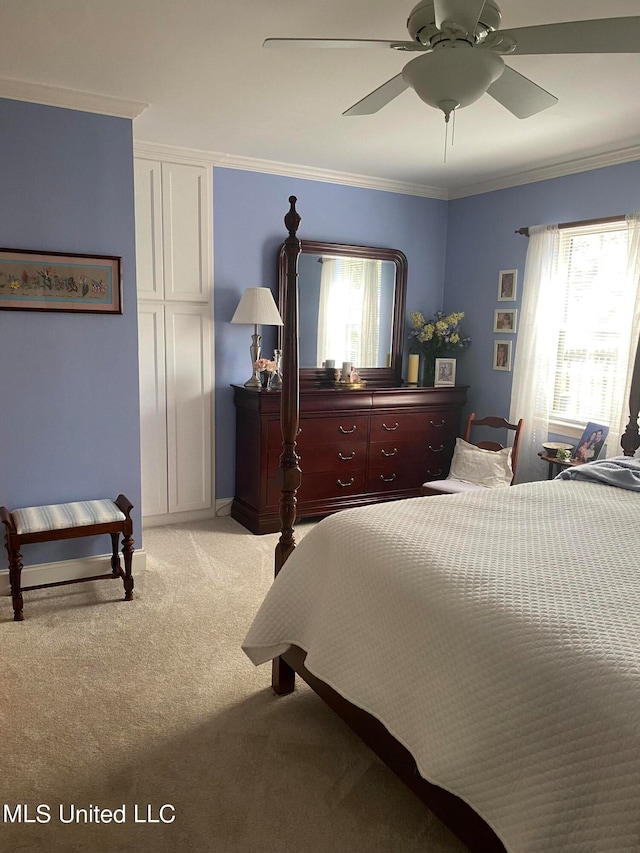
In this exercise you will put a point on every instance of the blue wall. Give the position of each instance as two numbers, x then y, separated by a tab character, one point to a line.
481	242
249	209
69	418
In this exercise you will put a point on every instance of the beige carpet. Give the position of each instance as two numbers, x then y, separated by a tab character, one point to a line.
106	703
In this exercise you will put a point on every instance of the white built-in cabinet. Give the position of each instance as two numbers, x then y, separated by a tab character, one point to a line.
175	332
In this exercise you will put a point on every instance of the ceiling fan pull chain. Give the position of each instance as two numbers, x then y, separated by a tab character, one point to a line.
453	129
446	133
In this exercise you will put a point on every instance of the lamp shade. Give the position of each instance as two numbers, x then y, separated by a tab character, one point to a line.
258	308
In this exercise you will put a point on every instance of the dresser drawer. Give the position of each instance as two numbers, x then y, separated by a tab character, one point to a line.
411	424
395	475
346	456
322	486
331	430
339	458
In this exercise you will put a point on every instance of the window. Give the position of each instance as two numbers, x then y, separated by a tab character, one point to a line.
594	298
349	311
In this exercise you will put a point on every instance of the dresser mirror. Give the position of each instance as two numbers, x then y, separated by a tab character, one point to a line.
351	308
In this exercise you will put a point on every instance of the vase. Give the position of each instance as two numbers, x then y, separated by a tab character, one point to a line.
276	378
427	371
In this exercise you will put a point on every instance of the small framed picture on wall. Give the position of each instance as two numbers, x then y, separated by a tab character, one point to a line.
502	355
445	371
505	320
507	284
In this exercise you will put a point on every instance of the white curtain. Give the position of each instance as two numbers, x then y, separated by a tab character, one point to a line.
620	405
328	308
370	337
534	366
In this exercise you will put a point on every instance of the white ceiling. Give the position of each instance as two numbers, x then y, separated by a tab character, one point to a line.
210	85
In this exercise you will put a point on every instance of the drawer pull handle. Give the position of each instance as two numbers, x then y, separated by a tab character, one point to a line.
436	449
387	479
346	458
393	452
299	431
344	485
441	424
390	429
435	473
347	431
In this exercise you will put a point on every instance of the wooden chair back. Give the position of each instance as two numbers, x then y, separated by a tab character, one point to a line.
495	423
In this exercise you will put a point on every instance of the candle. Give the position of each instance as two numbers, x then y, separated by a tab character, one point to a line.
412	369
346	371
330	362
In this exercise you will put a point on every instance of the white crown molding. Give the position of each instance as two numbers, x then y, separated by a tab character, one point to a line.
290	170
544	173
72	99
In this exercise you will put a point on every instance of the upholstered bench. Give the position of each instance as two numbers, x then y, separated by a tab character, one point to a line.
68	521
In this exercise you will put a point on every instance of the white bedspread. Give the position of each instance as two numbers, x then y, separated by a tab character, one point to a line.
496	634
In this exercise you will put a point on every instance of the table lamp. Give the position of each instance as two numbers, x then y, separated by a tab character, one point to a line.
258	308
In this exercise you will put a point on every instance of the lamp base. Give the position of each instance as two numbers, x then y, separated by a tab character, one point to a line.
256	352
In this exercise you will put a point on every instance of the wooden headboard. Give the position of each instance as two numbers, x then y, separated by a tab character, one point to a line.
290	473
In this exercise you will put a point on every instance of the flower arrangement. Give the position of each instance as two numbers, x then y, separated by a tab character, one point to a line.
439	335
264	364
434	338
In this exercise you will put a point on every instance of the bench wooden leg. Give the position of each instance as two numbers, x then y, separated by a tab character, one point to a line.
127	553
15	575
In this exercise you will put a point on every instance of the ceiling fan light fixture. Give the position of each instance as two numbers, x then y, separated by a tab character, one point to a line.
455	75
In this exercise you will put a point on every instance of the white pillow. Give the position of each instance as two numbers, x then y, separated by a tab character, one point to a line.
489	468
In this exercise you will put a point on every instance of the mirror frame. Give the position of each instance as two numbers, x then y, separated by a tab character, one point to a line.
380	376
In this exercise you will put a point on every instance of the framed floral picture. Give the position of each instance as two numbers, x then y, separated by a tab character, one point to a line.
502	355
445	371
57	281
507	284
505	320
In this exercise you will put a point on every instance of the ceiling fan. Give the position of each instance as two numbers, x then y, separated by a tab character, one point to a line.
462	50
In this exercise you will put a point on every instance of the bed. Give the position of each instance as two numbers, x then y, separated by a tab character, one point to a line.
494	665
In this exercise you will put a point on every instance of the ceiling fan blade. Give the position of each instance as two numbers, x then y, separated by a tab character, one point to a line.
379	98
394	45
605	35
519	95
466	13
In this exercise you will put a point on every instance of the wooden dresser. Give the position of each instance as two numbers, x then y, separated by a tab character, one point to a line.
355	447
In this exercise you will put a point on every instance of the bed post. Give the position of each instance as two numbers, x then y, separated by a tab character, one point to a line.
282	675
630	440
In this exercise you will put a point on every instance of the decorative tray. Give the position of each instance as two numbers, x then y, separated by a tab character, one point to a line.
349	386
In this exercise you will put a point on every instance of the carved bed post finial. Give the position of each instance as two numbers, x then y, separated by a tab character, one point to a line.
292	219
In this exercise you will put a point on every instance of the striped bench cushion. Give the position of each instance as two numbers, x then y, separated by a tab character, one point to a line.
38	519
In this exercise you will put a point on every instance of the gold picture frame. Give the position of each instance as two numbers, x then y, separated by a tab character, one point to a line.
60	281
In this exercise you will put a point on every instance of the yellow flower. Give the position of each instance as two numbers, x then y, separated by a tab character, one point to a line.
15	284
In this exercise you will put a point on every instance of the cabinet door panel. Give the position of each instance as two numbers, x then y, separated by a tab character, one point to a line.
148	199
189	403
186	224
153	414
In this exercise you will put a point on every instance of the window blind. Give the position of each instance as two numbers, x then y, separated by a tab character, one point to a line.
594	301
